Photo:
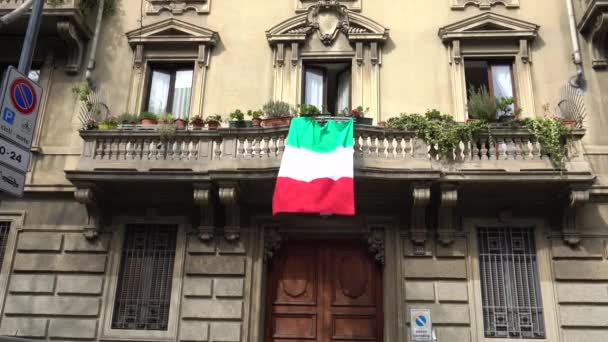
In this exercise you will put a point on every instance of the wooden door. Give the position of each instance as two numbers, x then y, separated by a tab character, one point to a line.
324	292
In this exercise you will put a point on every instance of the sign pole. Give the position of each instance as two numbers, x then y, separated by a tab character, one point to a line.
31	35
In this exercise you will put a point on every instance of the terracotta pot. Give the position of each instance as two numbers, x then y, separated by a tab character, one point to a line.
382	124
239	124
180	124
213	124
275	122
256	122
364	121
148	122
569	123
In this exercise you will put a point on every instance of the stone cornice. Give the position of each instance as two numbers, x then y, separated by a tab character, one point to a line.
489	25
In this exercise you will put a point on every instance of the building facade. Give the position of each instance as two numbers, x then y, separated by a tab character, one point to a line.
129	234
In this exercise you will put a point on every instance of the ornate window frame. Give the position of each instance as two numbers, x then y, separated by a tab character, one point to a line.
483	4
509	37
177	7
150	44
364	37
594	25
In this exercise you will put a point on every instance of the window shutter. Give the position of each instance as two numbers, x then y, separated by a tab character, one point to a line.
512	306
4	229
143	292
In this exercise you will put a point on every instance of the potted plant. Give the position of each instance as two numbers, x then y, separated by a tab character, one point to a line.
108	123
181	123
127	119
504	108
91	124
237	120
278	113
197	122
309	110
359	115
256	117
213	121
166	119
481	106
148	118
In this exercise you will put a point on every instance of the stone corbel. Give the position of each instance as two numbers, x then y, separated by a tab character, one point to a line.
138	60
449	199
204	198
375	244
599	42
524	51
280	57
204	55
456	54
577	198
75	46
421	195
295	53
90	199
272	242
359	53
229	198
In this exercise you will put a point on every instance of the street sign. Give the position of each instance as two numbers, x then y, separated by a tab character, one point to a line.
19	105
14	156
421	326
11	181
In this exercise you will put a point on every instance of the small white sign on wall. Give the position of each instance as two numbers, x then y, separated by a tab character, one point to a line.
421	326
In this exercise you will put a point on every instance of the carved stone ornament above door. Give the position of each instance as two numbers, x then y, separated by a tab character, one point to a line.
352	5
484	4
177	7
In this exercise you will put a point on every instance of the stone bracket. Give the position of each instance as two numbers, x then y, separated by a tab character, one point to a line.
421	195
484	4
229	198
204	197
75	46
446	224
577	198
375	243
272	242
90	198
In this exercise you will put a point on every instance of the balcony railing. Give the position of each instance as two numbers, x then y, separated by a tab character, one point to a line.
378	149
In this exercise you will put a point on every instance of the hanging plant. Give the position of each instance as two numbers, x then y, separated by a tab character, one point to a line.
551	134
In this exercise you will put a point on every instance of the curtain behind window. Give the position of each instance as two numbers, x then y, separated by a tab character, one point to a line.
502	82
159	92
343	92
313	92
182	94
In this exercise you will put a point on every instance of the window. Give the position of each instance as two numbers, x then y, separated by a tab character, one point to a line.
4	230
510	291
495	76
170	89
143	294
327	86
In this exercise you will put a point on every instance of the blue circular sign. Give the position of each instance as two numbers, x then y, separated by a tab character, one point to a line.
420	320
23	96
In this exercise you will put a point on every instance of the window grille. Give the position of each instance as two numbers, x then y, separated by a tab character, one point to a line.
143	293
4	228
512	305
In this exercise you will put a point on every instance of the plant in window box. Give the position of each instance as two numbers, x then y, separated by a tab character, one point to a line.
237	120
359	114
110	122
197	122
278	113
309	110
181	123
256	117
481	105
148	118
213	121
166	119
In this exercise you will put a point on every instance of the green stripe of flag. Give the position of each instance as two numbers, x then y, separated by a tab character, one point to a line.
309	134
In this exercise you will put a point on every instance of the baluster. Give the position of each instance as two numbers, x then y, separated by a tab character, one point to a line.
512	149
373	146
122	149
240	150
458	151
535	149
184	148
161	150
390	149
475	144
274	140
217	149
177	149
398	147
525	148
248	148
281	143
256	147
98	154
170	149
365	146
146	149
193	147
265	148
129	150
501	146
357	147
381	146
466	151
114	149
484	150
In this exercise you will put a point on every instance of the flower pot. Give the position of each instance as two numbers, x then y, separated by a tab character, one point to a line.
276	122
213	124
198	126
382	124
359	120
239	124
180	124
256	122
148	122
569	123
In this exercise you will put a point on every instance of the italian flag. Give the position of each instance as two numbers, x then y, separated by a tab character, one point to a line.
316	173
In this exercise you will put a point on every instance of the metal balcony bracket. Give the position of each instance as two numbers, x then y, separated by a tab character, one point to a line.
75	46
449	199
375	243
90	198
576	200
421	195
205	199
272	242
229	198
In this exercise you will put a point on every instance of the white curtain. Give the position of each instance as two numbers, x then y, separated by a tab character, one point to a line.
182	93
343	92
502	82
159	92
313	92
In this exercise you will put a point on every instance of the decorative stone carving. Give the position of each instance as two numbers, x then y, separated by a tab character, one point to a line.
352	5
177	7
272	242
229	196
576	199
328	35
204	198
484	4
421	195
449	199
375	244
88	197
594	25
75	46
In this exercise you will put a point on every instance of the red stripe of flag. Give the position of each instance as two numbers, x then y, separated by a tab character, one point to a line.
322	195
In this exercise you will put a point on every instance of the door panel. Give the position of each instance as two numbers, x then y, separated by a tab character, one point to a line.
324	292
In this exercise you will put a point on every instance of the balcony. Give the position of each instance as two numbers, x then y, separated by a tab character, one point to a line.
61	18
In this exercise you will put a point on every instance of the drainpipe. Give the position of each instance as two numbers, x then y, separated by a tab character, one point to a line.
578	79
91	63
11	16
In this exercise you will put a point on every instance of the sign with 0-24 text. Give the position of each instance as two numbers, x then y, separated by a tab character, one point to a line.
14	156
421	326
19	105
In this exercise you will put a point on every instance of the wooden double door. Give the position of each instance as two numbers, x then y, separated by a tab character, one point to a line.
321	291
